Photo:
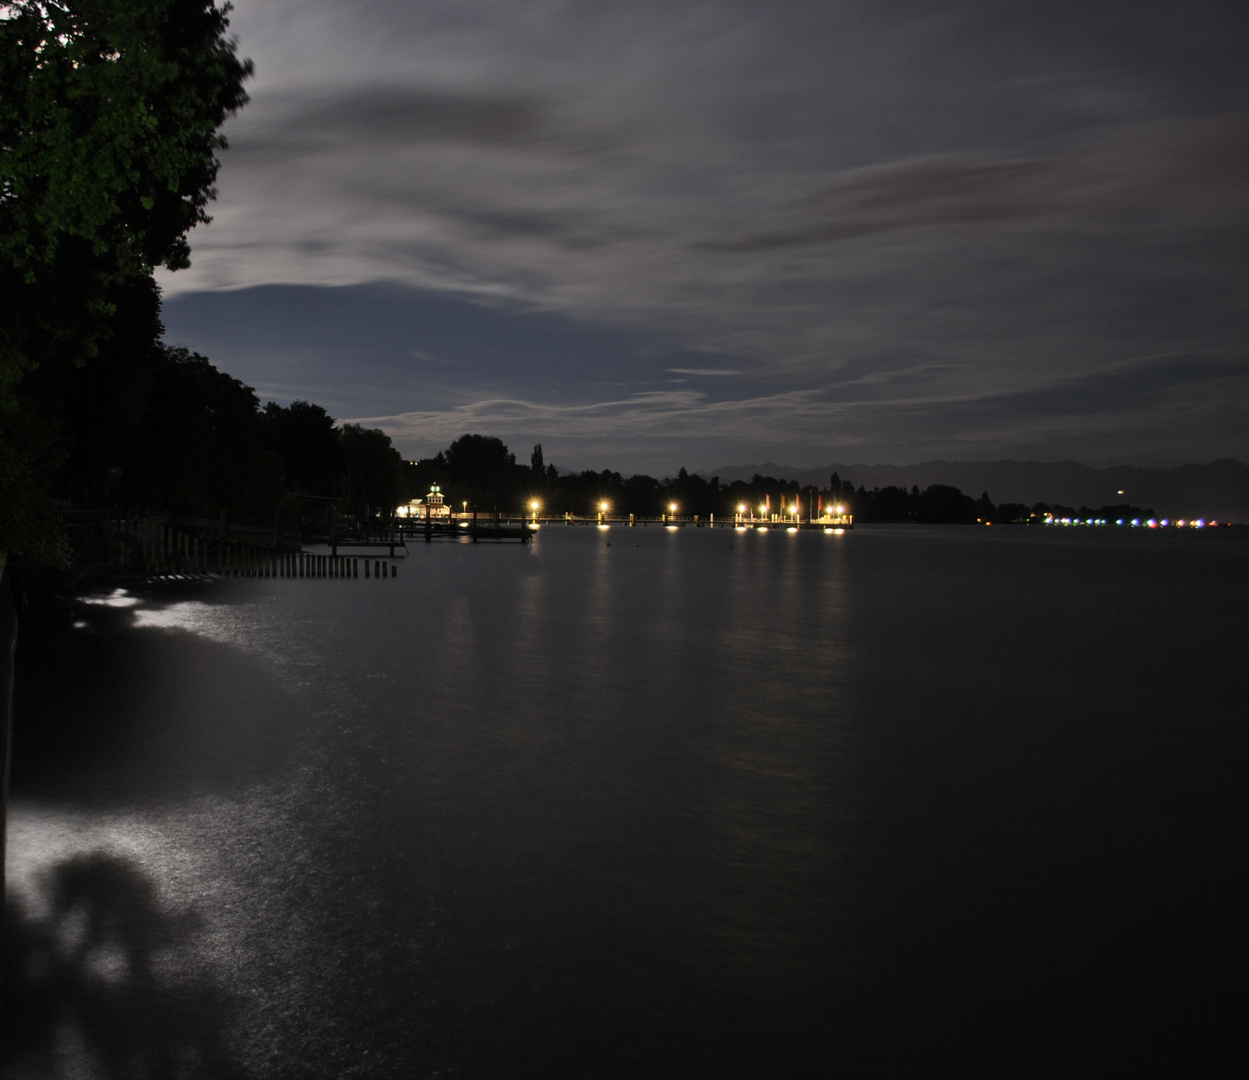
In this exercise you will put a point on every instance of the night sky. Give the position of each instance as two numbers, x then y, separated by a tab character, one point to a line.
659	234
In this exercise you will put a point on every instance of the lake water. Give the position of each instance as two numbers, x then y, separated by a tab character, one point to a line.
631	802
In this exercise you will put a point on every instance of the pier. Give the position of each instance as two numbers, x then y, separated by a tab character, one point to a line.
432	518
777	522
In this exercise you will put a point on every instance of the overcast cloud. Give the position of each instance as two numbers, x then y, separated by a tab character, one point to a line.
798	231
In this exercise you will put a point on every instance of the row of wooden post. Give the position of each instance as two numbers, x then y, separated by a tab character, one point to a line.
179	551
305	564
175	551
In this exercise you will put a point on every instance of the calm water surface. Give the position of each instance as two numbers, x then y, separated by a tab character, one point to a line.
635	802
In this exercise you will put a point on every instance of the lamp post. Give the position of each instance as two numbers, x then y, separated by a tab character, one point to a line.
602	511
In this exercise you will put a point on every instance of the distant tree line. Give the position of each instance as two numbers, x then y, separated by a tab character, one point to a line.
941	504
478	471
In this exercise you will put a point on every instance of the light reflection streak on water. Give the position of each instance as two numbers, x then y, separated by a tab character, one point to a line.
118	598
784	750
234	615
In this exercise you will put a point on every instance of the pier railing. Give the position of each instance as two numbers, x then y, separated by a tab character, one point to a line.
166	545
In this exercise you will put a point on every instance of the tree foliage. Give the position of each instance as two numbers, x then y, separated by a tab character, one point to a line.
485	466
305	437
109	118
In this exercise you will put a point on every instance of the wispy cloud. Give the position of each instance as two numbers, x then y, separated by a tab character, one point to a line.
814	194
1090	410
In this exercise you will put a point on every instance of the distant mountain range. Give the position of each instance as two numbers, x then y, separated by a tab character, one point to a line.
1219	490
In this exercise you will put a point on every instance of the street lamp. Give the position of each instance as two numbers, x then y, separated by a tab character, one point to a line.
533	506
602	510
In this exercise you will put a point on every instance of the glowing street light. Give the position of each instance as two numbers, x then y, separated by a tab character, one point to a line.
533	507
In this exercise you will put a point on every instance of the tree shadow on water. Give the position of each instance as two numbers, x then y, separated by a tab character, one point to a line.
105	982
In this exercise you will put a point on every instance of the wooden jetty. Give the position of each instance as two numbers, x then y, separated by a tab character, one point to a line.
155	548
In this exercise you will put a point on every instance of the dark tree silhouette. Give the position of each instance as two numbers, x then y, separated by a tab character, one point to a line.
374	476
486	467
109	112
303	434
